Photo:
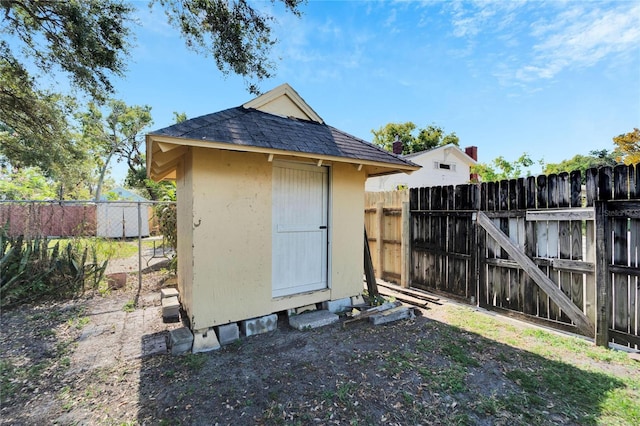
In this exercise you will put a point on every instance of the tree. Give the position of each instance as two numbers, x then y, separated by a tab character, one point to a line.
25	184
86	40
53	146
413	139
500	168
179	117
164	190
89	40
596	158
115	135
628	145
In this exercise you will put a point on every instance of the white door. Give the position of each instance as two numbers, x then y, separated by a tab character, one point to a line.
300	205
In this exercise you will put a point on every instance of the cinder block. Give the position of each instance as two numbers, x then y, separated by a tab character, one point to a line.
357	300
205	340
390	315
228	333
311	320
168	292
259	325
180	340
170	307
337	306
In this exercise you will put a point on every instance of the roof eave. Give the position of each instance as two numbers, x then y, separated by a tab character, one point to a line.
377	168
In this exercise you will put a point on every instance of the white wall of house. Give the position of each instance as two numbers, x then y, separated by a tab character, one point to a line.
445	165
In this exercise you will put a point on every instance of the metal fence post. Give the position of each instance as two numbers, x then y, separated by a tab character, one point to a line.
139	251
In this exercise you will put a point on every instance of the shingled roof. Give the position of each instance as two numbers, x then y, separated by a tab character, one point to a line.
278	123
253	128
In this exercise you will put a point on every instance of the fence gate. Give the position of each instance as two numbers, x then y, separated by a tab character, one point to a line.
546	249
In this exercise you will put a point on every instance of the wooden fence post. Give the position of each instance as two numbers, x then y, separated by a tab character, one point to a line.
405	274
380	240
603	286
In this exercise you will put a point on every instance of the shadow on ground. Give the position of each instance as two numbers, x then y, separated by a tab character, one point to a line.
413	372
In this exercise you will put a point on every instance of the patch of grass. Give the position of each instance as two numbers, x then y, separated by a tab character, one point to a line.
452	379
397	362
344	391
78	322
407	398
549	341
194	362
490	404
459	354
7	376
105	248
426	345
328	395
130	306
524	379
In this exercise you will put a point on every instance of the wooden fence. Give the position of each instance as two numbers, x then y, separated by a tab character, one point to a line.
384	226
45	218
546	249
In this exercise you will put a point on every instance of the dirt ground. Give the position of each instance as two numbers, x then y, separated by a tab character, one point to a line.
98	360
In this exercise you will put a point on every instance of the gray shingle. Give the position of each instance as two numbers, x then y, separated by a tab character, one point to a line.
251	127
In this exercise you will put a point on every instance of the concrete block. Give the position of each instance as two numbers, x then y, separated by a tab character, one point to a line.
390	315
259	325
228	333
357	300
180	340
337	306
168	292
170	307
315	319
205	340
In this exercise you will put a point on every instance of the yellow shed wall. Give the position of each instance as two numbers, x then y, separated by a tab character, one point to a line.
231	236
184	193
347	232
229	219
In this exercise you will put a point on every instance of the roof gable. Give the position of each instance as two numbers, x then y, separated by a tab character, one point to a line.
440	151
286	102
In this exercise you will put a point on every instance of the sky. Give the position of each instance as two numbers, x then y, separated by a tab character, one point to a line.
549	78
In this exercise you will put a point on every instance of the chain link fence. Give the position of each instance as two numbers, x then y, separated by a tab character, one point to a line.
138	234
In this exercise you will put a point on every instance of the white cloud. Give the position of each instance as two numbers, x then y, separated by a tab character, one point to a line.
586	38
547	37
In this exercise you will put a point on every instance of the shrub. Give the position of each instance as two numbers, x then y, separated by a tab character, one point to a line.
30	270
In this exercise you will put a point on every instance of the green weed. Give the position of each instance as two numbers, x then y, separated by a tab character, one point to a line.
130	306
459	354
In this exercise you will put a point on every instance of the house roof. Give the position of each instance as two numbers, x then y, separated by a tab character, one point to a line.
301	132
450	146
122	194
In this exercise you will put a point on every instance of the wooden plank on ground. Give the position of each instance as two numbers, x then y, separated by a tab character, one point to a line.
410	292
403	297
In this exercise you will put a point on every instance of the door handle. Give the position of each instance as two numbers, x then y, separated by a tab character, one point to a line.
323	227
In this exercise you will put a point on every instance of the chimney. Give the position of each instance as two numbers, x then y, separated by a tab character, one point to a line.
472	151
397	146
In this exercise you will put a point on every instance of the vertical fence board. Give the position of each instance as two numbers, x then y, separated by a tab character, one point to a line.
565	253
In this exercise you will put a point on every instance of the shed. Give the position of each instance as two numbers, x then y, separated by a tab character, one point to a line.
270	207
119	217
